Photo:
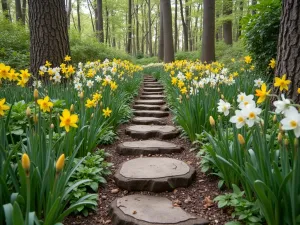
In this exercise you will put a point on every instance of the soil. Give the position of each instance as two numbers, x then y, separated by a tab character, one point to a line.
196	199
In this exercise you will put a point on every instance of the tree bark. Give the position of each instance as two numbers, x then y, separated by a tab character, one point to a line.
5	9
150	28
18	10
161	34
24	11
78	16
185	28
176	26
288	49
99	26
208	37
69	9
137	29
91	14
168	33
241	6
227	25
129	32
49	38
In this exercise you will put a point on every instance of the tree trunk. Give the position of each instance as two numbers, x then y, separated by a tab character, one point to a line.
69	9
49	38
185	28
107	24
91	15
99	26
150	28
78	16
288	49
188	25
208	37
24	11
129	32
168	33
137	29
161	34
18	10
176	26
227	25
5	9
239	33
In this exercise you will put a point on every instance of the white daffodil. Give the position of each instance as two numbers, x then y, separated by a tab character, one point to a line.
57	78
108	78
282	105
98	79
247	100
223	107
291	121
241	97
180	76
258	82
252	113
78	86
37	83
43	68
90	83
239	119
76	80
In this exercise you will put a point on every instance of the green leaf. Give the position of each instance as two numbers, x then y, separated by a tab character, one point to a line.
17	215
233	223
8	211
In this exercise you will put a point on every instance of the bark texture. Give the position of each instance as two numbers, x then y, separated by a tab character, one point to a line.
99	26
18	10
288	49
227	25
208	37
49	38
168	33
129	32
161	34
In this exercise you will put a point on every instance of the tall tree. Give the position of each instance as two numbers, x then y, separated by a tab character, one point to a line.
49	38
161	33
137	27
99	24
288	49
69	9
168	33
227	25
78	16
24	3
5	9
208	37
185	28
176	26
18	10
150	28
129	32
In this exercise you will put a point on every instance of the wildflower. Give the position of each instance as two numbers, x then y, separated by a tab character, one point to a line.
26	163
48	64
241	97
60	163
70	69
25	74
282	105
90	83
67	120
90	103
223	107
57	78
258	82
97	97
113	86
98	79
291	121
3	107
188	75
37	83
4	71
183	90
45	104
106	112
248	59
241	139
272	63
247	100
174	80
67	58
239	119
282	83
78	86
262	93
251	113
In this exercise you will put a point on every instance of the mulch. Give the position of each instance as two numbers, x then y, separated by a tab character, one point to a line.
195	199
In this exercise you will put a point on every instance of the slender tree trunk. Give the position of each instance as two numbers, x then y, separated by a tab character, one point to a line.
239	33
69	9
176	26
49	38
188	25
107	24
208	37
5	9
227	25
168	33
99	10
185	28
143	31
161	33
156	37
150	28
24	2
18	10
288	49
91	15
129	32
78	16
137	29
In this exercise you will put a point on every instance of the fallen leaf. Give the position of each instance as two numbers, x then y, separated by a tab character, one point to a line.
208	202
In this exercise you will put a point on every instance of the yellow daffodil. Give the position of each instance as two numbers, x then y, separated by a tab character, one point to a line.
113	85
67	58
188	75
90	103
3	107
4	71
26	163
282	83
298	90
60	163
262	93
48	64
180	84
71	69
25	74
67	120
45	104
106	112
174	80
97	97
272	63
183	90
247	59
22	82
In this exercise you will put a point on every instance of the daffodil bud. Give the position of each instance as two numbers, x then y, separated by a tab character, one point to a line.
52	126
279	137
28	112
222	97
241	139
212	121
60	163
296	142
274	118
72	108
187	96
26	163
286	142
92	115
35	118
81	95
101	104
35	94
